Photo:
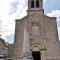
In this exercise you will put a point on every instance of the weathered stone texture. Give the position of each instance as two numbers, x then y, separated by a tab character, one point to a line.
1	46
41	29
52	38
46	33
43	35
19	37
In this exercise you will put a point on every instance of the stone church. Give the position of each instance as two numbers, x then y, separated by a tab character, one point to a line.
36	36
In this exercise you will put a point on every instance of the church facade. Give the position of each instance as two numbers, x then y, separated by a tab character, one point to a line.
36	35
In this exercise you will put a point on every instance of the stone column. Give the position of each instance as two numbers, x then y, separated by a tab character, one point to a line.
26	47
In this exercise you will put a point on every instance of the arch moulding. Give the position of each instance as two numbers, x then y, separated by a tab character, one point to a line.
36	45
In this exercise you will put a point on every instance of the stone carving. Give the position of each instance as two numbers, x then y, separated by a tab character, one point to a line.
35	15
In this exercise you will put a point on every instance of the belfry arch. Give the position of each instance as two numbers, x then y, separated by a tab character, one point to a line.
37	45
32	4
37	3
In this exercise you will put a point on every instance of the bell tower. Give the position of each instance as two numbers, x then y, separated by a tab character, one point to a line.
35	4
36	29
35	15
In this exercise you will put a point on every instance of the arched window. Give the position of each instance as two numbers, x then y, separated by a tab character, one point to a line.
37	4
32	4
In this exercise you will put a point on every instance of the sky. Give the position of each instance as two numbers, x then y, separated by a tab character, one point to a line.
10	10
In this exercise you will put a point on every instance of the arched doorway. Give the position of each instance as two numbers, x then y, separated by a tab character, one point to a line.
36	55
38	51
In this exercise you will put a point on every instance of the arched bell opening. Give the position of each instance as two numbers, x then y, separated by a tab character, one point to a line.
37	3
32	4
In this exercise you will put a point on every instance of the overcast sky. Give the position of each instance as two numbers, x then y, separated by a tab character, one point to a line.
16	9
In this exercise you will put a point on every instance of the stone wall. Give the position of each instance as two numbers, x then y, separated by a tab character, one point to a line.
52	38
19	37
41	29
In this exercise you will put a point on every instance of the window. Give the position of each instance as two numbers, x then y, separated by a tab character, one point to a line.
37	4
32	4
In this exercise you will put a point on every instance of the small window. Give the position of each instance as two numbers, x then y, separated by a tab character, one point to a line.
32	4
37	4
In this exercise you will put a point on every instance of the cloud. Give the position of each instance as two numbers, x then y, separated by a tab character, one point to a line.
14	6
44	1
54	13
10	38
9	11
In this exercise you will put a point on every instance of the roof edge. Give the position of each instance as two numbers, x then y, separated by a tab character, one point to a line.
21	18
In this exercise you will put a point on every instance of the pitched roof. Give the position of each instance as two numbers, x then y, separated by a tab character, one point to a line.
5	43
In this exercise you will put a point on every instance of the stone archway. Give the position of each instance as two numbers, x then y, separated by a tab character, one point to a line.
38	51
37	46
